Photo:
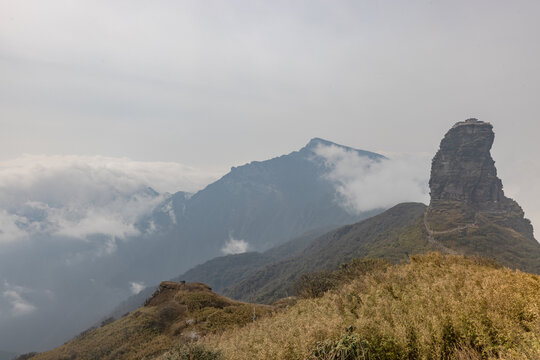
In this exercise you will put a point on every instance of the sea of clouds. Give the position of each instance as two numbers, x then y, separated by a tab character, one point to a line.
80	196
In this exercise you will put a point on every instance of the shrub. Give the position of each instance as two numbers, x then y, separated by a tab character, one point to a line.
26	356
348	347
193	351
198	300
314	285
359	267
107	321
218	320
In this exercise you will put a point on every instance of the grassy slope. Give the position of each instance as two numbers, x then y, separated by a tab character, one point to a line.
506	245
435	307
392	235
225	271
178	314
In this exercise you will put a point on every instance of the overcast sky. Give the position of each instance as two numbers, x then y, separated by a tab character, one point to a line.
212	84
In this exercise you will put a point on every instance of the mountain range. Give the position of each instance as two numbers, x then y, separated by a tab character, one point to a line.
468	214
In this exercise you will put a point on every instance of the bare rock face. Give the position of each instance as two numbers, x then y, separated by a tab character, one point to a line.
463	168
464	182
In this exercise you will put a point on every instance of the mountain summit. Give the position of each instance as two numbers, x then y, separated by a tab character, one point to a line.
314	144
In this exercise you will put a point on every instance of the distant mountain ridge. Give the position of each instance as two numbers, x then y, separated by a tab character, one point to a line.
268	173
263	204
227	207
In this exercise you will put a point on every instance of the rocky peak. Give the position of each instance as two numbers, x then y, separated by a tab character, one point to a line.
314	144
463	168
464	180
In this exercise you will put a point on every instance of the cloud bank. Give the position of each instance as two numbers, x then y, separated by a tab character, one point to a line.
81	196
365	184
15	296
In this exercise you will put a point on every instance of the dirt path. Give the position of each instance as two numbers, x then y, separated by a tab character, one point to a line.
431	234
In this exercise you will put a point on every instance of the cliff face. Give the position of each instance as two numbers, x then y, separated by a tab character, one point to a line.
463	168
464	183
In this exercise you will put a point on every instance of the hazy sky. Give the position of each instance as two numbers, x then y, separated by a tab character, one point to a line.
211	84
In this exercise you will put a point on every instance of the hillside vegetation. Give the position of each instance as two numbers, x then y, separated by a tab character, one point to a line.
435	307
489	239
225	271
178	313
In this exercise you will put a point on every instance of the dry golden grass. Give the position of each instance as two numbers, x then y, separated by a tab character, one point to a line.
435	307
132	337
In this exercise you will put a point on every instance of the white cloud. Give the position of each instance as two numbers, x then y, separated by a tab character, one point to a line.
78	196
136	287
9	231
364	184
29	171
234	246
15	297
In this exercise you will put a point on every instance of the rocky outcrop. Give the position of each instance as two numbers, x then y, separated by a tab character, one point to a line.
463	168
464	182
